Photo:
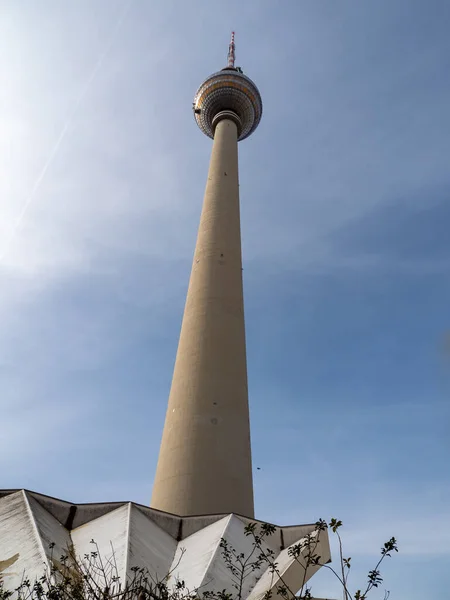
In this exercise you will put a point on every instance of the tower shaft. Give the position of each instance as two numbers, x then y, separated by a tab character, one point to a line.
204	464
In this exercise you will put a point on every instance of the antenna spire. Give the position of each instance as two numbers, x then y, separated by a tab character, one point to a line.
231	56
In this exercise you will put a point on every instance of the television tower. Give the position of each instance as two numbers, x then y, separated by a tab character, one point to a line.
204	471
204	464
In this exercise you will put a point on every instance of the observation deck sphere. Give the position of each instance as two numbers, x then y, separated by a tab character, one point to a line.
228	90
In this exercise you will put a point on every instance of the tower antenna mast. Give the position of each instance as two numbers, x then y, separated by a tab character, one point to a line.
231	55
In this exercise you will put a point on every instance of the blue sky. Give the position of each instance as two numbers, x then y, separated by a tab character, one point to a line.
345	191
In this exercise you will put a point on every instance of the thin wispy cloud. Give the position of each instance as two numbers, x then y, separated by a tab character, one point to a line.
77	103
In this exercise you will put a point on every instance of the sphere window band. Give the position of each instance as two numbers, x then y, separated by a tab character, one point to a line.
215	86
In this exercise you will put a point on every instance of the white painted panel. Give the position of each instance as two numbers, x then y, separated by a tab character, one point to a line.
20	547
203	564
110	532
218	572
50	531
291	570
149	546
199	549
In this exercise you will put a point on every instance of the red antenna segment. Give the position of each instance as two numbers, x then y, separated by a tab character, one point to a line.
231	56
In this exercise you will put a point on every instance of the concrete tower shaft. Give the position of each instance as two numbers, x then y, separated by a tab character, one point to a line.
204	465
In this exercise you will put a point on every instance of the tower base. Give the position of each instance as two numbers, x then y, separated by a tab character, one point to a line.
36	530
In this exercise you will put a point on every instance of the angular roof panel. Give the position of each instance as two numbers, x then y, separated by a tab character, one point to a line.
128	535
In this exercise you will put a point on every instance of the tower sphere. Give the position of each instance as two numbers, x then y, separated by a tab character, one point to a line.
228	94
